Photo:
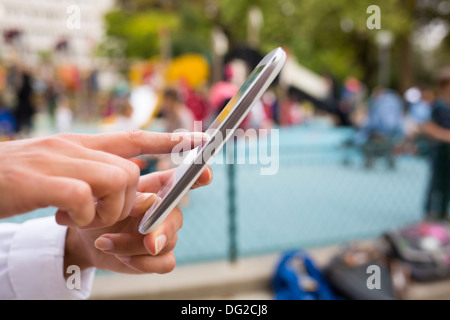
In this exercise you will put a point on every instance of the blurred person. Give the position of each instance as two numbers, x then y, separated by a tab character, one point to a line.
235	74
124	115
418	113
196	101
271	105
383	127
286	106
197	104
332	101
51	99
385	118
7	121
96	223
25	108
438	128
265	113
292	111
352	96
107	106
13	77
219	95
63	115
177	115
257	117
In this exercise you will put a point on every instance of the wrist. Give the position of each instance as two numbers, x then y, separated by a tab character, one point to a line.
74	252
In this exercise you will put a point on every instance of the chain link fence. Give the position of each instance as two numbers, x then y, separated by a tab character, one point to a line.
321	194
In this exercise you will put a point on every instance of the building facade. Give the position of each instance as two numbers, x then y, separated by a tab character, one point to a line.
62	30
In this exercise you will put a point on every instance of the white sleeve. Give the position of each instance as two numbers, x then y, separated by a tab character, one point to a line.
32	262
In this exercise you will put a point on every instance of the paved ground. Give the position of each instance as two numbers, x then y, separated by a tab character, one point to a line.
248	279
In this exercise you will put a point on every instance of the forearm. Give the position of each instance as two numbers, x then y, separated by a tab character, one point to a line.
436	132
74	254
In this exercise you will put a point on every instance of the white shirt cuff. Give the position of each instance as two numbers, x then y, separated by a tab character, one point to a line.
36	262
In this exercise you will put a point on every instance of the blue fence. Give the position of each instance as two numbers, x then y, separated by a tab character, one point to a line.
314	199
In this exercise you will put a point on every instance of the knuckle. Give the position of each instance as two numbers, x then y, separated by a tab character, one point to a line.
134	173
135	134
136	137
80	191
118	177
14	176
65	135
170	137
53	142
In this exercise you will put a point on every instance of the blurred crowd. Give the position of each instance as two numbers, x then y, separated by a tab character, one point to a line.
59	92
181	95
67	94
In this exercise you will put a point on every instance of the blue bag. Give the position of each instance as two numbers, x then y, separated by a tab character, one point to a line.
297	278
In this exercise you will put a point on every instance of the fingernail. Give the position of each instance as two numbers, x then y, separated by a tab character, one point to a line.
160	243
105	244
144	196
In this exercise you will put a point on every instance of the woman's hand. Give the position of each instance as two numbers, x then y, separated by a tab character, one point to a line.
87	177
120	247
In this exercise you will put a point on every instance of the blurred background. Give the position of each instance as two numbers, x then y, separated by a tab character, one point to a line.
348	105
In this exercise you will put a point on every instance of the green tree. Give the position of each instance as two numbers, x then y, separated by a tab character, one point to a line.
137	25
139	31
326	35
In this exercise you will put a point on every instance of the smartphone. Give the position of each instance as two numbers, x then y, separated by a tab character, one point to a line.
221	129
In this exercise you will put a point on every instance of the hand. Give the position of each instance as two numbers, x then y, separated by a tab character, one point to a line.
87	177
120	247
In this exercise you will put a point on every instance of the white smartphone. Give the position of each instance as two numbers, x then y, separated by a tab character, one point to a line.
218	133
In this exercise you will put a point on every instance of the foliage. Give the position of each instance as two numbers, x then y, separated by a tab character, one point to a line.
139	31
326	35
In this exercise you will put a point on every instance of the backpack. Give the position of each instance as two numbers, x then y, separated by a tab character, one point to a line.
366	272
298	278
425	247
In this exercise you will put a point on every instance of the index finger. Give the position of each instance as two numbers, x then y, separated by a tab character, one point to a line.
133	143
